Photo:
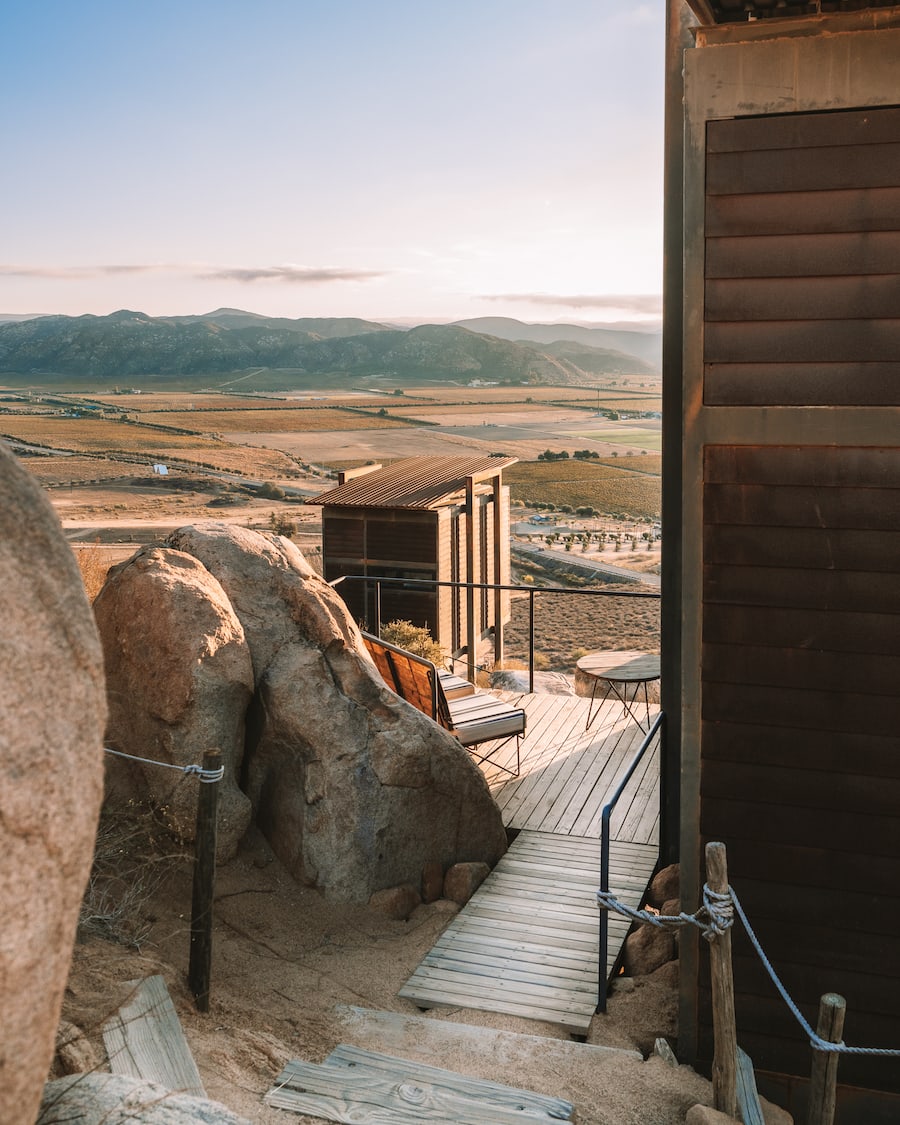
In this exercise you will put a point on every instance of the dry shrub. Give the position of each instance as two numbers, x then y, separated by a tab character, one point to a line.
133	856
94	564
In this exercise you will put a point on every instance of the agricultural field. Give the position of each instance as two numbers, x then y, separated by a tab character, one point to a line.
606	485
297	420
104	436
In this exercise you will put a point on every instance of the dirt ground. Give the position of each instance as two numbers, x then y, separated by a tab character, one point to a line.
286	964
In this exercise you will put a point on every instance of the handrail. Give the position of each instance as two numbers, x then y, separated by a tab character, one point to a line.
429	583
658	726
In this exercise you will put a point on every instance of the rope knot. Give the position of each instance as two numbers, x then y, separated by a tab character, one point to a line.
718	911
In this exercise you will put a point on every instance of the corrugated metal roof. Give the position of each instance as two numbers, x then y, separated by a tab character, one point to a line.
415	482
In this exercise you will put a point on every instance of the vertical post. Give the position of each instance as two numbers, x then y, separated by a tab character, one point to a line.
470	578
377	608
823	1077
531	641
204	885
724	1071
501	533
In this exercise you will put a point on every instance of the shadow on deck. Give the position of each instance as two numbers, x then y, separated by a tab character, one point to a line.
527	943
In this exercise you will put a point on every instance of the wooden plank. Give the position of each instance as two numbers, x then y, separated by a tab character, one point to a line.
491	1049
853	549
804	130
780	627
501	1096
789	505
853	591
806	298
361	1096
144	1039
526	943
802	341
804	169
802	384
817	466
813	212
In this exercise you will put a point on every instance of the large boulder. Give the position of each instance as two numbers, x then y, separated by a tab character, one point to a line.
53	704
355	790
179	680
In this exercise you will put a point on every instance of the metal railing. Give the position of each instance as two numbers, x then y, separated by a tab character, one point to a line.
531	591
658	727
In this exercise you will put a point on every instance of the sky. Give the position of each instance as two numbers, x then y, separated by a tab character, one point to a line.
406	160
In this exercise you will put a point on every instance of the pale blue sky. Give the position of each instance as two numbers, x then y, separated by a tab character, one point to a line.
375	158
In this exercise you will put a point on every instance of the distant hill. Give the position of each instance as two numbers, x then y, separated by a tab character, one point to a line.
129	344
645	345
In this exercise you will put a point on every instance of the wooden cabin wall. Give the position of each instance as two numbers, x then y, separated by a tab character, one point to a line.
790	432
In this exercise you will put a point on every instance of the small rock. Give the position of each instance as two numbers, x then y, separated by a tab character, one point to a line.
706	1115
75	1052
664	1051
671	907
665	886
463	880
432	881
396	902
648	949
773	1114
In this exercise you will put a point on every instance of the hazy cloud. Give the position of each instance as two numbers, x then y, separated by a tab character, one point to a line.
643	304
296	275
303	275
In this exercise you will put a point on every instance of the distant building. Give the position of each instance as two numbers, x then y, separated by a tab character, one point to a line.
160	470
443	518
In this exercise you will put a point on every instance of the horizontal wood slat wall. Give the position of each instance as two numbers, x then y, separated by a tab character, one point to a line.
800	734
802	300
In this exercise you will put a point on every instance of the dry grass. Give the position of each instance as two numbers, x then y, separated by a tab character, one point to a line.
133	857
569	625
94	564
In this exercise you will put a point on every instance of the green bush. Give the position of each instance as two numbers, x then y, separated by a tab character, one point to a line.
414	638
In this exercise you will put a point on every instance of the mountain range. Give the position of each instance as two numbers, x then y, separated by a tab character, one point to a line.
128	344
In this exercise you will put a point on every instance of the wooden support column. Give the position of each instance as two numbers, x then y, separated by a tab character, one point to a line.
823	1079
724	1071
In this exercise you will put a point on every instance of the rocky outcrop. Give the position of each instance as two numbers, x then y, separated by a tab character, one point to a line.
114	1099
179	680
354	789
51	759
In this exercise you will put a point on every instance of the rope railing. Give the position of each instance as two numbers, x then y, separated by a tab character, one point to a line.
713	919
205	776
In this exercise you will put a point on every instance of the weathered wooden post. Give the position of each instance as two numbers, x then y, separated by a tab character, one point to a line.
823	1076
724	1071
204	885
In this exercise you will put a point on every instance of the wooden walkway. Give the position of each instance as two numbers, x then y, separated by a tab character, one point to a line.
527	943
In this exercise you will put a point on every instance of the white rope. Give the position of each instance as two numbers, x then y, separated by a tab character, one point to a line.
713	918
206	777
815	1041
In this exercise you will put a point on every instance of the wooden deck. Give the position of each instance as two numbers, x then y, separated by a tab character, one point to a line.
527	942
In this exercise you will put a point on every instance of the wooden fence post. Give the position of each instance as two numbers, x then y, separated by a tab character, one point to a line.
724	1071
823	1076
204	885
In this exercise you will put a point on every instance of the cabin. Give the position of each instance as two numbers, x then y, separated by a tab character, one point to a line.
444	519
781	510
